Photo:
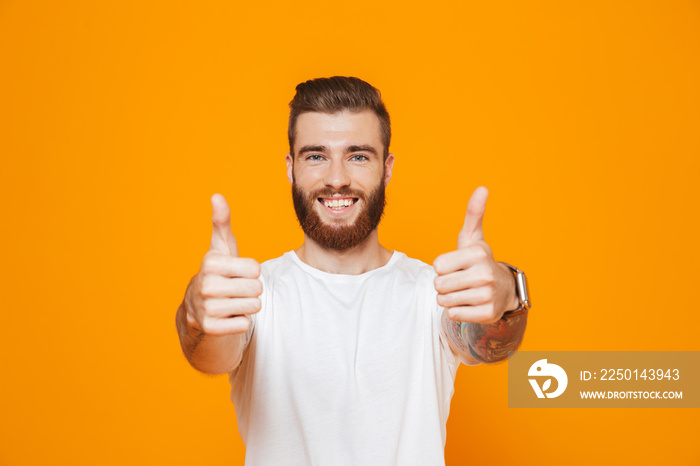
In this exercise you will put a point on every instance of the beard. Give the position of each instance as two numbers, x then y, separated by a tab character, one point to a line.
338	235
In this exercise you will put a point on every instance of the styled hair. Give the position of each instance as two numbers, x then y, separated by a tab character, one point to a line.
334	95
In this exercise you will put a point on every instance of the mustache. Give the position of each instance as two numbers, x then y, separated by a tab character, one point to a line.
329	192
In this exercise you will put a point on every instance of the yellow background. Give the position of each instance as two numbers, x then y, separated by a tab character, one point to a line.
119	119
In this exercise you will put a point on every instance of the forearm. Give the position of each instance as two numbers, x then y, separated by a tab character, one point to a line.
211	354
485	343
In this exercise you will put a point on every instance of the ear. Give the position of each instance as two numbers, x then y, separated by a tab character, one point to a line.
290	168
388	167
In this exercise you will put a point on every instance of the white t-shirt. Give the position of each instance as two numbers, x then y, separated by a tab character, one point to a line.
345	369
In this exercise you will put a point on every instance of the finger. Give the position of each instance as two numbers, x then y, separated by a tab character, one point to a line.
222	239
224	308
233	325
470	297
461	259
219	264
472	277
216	286
476	314
472	230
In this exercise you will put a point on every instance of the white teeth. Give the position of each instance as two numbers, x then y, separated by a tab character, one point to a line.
338	203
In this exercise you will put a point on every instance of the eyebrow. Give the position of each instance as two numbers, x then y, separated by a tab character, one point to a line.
311	148
360	148
363	148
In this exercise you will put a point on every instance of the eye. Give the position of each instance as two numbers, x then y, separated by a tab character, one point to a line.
360	157
314	157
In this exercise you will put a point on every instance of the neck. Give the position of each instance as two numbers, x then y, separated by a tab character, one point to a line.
362	258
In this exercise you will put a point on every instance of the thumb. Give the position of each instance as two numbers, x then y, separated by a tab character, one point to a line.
473	228
222	239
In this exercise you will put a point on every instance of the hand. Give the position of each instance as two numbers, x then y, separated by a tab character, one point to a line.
226	289
470	283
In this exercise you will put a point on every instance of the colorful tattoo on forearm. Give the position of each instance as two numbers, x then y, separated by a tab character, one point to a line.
454	332
487	343
492	342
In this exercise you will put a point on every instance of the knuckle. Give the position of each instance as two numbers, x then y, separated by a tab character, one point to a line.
207	265
238	324
489	275
439	283
208	326
208	307
440	264
210	263
246	288
246	267
207	288
480	252
245	326
243	306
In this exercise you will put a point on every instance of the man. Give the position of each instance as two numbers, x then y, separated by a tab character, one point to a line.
343	352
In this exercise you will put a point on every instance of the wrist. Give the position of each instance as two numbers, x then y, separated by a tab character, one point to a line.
521	290
512	301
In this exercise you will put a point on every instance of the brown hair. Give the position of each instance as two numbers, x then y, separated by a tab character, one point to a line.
337	94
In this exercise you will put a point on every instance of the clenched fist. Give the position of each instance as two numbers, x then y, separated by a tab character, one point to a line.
470	283
227	288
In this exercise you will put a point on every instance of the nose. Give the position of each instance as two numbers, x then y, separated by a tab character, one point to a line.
337	175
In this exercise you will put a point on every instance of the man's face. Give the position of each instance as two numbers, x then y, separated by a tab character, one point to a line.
338	177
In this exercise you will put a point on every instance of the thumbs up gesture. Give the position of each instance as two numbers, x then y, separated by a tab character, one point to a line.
470	283
227	288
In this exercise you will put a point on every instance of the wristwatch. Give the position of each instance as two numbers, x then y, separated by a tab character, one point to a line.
521	290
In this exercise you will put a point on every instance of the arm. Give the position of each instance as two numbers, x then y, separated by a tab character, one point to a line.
488	343
213	318
476	292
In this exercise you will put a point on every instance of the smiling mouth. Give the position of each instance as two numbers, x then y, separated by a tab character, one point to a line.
338	203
